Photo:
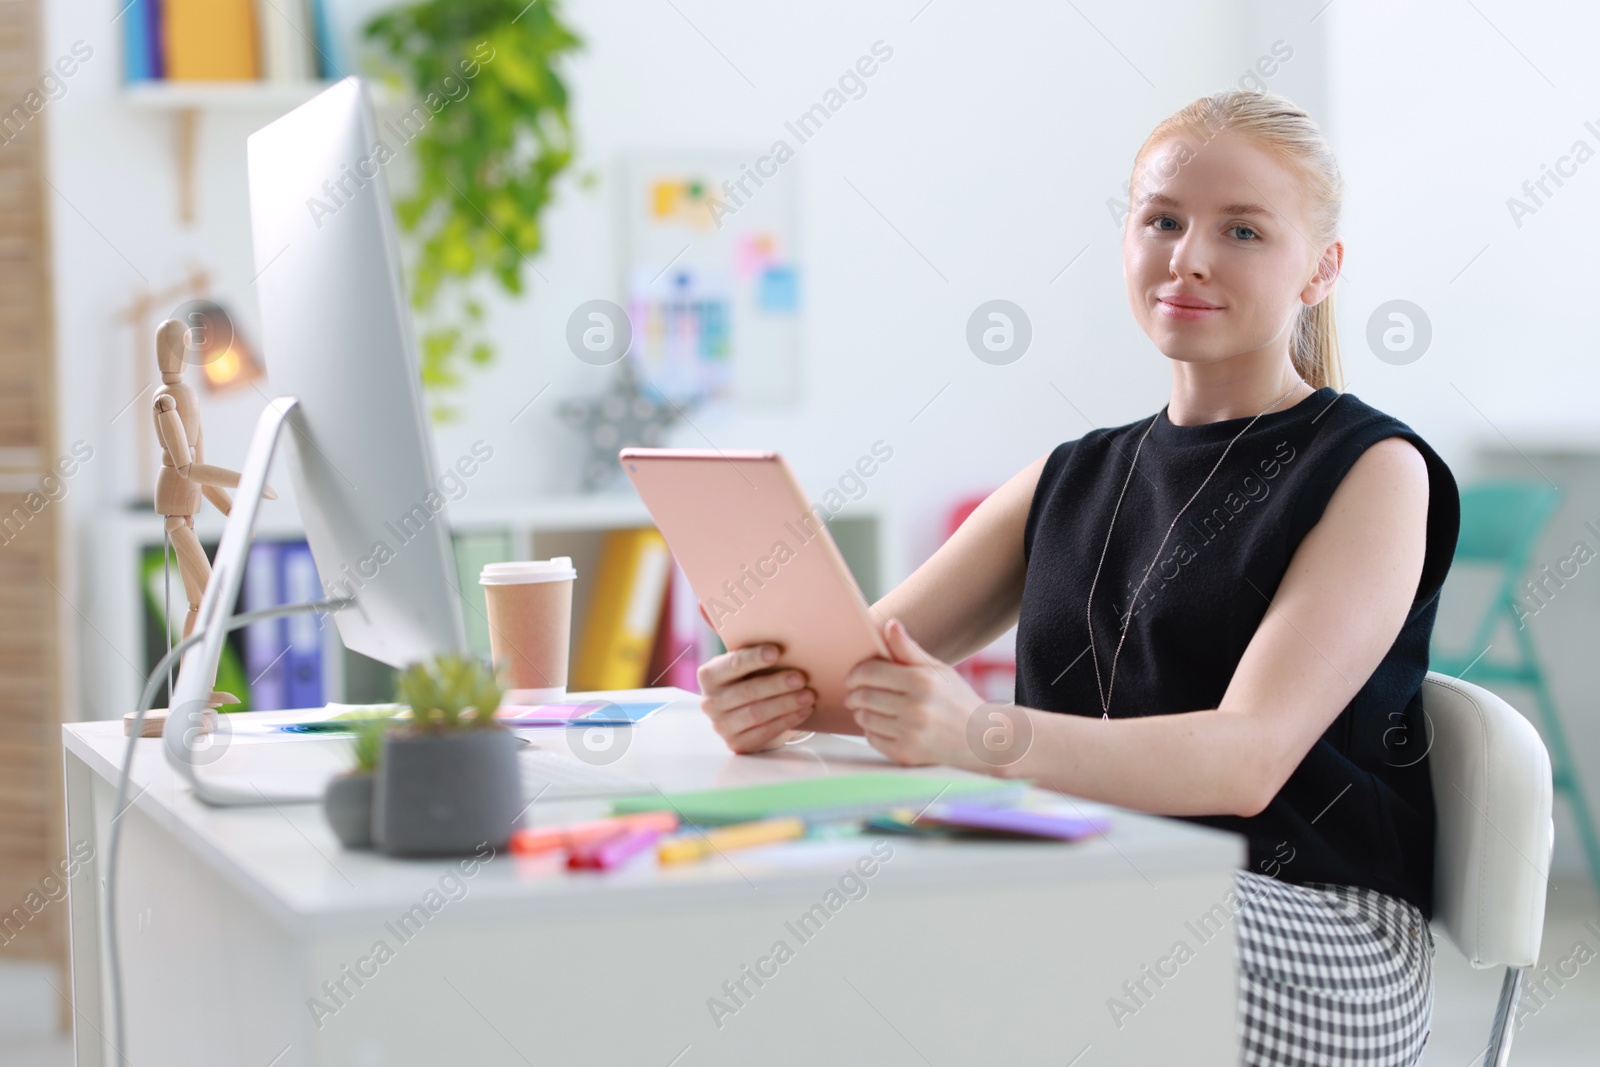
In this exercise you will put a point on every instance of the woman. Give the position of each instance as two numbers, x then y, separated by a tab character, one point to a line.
1222	610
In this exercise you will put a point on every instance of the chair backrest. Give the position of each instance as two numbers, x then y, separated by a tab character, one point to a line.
1493	795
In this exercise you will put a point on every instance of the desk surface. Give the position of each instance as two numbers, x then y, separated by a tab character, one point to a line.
286	858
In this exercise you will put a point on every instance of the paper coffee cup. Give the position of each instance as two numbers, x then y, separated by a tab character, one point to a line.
530	625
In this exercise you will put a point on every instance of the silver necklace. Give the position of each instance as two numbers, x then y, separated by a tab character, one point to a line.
1105	693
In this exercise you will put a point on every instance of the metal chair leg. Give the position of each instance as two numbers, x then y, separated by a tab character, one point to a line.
1499	1051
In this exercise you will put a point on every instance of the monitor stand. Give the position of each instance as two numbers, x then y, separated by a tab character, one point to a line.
188	713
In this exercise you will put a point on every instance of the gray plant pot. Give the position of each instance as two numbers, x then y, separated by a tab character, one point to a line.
446	794
348	806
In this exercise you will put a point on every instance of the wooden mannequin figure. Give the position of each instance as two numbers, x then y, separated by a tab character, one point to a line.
183	479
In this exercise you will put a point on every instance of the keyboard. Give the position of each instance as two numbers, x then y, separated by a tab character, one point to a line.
553	776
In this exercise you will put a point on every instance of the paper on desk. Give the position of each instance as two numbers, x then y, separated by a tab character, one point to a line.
277	726
580	712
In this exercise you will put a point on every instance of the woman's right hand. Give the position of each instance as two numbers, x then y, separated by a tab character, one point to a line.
753	712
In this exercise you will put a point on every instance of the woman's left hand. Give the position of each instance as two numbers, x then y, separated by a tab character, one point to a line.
913	708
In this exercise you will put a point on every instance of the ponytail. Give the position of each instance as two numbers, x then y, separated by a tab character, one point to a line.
1314	346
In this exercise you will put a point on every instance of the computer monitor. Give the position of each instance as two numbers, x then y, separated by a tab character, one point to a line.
336	329
341	358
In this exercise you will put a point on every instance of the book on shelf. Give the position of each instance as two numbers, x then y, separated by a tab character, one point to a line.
162	586
298	584
277	41
624	611
473	550
659	615
210	40
265	643
287	52
283	658
141	40
268	665
681	644
642	625
326	48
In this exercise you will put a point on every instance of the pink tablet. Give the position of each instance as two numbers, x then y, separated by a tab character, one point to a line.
762	564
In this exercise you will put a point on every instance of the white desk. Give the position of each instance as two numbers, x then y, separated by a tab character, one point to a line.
970	953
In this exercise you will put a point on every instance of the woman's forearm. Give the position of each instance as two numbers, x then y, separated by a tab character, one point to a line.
969	592
1193	763
947	635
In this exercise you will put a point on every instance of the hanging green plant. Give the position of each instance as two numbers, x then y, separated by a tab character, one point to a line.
491	134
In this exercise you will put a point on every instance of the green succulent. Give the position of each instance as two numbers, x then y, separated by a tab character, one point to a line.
367	730
451	693
496	138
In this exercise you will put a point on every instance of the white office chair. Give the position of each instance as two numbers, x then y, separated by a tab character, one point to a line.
1493	793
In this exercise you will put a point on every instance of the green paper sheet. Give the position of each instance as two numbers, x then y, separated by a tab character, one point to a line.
841	796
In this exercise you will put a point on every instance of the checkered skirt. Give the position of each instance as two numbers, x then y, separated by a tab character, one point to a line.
1330	975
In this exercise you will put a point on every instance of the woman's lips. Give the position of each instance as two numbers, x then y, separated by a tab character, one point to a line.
1186	314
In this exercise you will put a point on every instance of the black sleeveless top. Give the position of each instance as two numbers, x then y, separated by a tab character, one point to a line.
1359	808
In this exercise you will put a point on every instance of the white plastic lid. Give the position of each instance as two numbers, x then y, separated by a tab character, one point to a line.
519	572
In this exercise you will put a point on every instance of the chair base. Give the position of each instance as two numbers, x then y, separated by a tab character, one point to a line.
1499	1051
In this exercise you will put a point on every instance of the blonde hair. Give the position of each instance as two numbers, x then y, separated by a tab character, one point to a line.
1276	124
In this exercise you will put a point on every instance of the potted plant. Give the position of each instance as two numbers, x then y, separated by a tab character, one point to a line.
488	81
447	780
348	800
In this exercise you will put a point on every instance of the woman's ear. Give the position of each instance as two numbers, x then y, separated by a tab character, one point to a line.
1321	283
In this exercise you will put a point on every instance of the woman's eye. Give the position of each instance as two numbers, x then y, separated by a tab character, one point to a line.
1246	229
1156	222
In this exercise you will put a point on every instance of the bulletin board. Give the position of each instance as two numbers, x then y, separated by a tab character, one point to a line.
712	276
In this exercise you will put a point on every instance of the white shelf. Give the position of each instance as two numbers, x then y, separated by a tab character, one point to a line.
187	101
578	511
600	511
182	95
868	533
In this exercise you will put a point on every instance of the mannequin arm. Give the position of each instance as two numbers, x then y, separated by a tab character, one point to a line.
221	478
217	497
169	427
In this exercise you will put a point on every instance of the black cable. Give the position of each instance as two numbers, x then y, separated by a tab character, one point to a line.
113	958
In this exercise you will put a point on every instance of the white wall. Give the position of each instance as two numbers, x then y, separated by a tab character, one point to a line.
1440	113
992	145
991	141
1440	116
